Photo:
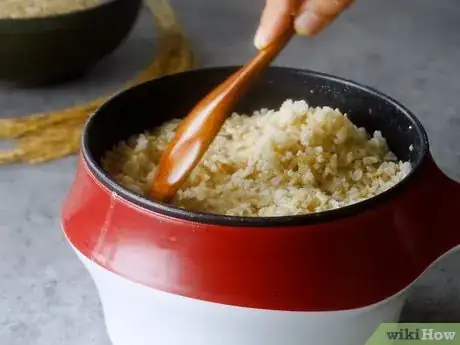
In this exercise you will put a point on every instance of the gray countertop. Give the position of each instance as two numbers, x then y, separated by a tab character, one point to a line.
409	49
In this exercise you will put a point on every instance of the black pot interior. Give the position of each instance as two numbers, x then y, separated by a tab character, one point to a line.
148	105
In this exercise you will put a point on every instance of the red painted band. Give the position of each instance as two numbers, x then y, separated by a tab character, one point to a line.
337	265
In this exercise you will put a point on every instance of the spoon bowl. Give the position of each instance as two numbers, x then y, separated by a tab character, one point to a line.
199	128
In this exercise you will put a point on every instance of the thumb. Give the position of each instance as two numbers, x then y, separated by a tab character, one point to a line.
315	15
276	16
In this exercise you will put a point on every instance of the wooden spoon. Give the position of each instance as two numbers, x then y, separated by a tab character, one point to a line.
197	131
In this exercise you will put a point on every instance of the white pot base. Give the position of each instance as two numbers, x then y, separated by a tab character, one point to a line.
139	315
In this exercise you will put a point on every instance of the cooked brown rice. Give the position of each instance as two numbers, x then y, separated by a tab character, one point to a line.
41	8
296	160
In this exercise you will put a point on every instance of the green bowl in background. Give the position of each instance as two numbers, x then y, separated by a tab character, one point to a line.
46	50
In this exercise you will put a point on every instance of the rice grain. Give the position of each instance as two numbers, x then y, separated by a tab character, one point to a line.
15	9
293	161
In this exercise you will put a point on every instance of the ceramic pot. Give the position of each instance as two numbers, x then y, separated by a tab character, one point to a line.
37	51
169	276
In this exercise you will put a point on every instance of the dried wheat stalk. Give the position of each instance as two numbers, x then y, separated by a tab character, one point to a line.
48	136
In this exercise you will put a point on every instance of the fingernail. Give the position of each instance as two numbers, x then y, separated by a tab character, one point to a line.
308	23
261	38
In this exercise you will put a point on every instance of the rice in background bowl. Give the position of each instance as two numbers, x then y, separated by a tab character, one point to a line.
16	9
296	160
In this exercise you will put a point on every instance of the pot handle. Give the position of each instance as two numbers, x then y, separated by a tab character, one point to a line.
441	209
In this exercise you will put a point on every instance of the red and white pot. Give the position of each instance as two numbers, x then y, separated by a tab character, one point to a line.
169	276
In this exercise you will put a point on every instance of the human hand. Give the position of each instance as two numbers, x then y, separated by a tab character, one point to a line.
309	17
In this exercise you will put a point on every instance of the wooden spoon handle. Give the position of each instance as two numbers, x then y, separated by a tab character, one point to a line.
197	131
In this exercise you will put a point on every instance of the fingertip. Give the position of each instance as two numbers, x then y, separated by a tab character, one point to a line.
276	15
260	39
308	23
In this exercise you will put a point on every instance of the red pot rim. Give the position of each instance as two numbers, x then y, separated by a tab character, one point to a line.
256	222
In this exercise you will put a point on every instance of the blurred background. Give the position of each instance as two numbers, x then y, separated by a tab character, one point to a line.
407	49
